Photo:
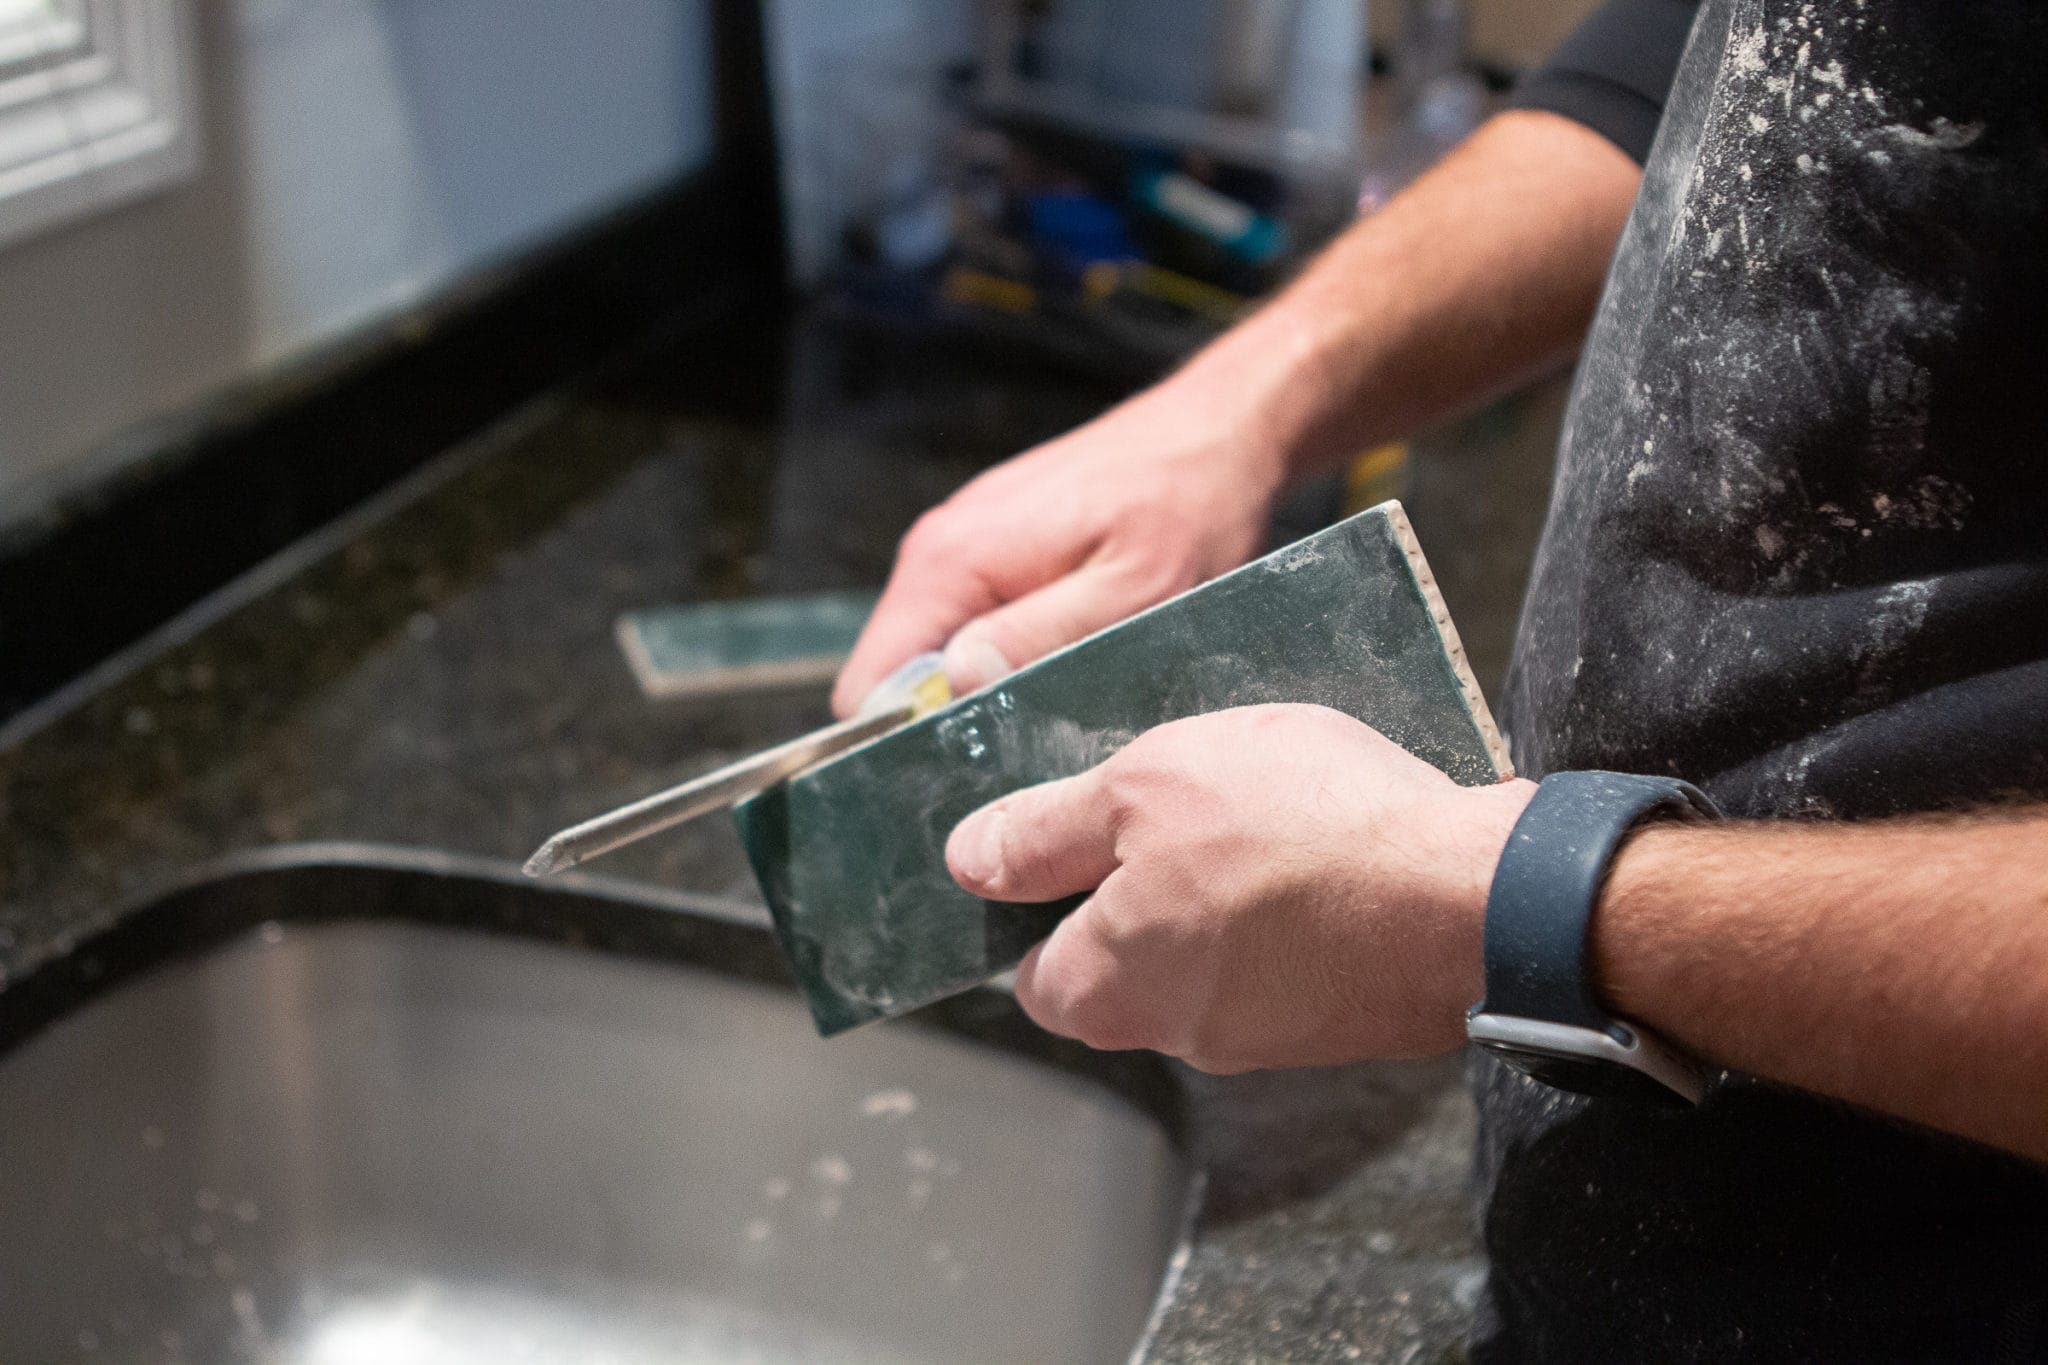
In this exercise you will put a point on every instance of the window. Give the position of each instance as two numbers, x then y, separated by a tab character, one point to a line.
38	29
95	106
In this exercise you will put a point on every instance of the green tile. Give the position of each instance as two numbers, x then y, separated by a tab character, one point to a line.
707	647
851	853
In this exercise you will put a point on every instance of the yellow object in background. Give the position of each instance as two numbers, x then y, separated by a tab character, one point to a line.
965	285
1377	476
1104	278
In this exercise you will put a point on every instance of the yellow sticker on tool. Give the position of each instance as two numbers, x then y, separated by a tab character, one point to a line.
930	694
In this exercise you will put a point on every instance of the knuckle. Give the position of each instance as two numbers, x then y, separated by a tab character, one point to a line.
1154	576
1158	574
1020	862
1201	1047
1095	1011
1264	720
1155	749
1160	759
1107	1027
1125	803
1121	775
1133	928
931	536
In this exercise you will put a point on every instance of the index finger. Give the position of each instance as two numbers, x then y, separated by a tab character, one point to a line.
919	610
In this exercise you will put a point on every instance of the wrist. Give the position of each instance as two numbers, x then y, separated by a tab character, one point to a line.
1270	392
1640	877
1544	1011
1480	828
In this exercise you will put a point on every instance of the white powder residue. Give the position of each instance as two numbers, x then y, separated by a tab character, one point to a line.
1940	136
1295	557
1746	53
898	1103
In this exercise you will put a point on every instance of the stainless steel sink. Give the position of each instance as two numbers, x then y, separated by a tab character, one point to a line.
295	1113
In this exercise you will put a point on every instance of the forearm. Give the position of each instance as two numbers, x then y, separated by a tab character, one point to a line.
1482	273
1900	965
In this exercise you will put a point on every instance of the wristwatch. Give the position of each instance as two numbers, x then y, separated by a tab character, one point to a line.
1540	1014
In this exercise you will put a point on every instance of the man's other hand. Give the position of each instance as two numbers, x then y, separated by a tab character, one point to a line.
1150	499
1273	886
1480	274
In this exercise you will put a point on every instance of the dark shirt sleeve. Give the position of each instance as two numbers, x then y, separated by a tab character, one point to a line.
1615	70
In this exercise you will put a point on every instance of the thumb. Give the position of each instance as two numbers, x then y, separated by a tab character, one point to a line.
1039	844
1035	625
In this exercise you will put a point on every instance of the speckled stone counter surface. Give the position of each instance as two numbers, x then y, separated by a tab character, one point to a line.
444	676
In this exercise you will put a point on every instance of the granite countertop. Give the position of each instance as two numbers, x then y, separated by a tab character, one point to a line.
440	672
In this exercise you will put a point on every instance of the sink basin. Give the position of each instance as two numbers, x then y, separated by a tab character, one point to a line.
325	1110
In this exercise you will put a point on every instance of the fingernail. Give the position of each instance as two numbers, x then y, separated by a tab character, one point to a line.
973	662
975	849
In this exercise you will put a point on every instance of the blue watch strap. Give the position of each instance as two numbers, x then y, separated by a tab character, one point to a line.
1548	880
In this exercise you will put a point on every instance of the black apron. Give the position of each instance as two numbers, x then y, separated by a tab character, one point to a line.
1797	552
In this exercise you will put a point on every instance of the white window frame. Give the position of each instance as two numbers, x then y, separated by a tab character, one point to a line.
97	108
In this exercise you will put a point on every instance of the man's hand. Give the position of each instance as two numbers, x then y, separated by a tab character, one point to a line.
1274	886
1150	499
1283	886
1479	275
